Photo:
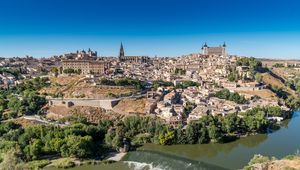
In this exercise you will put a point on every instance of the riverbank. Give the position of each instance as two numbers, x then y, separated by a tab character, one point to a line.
232	155
259	162
112	157
72	162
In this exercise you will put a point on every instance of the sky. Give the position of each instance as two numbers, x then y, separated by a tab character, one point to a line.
42	28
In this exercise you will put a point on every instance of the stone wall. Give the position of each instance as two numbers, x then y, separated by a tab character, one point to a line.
105	104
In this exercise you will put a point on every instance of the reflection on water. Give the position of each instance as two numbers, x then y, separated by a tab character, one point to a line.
236	154
197	154
206	150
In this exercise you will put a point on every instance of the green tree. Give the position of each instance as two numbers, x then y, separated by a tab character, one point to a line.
54	70
11	160
214	133
258	77
166	138
191	133
34	150
230	123
3	103
78	146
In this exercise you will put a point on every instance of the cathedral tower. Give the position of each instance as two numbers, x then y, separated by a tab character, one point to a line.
122	53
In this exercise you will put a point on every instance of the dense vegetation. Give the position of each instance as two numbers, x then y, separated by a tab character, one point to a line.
207	129
120	95
294	84
85	140
122	82
32	143
258	77
226	94
254	67
251	62
292	102
71	71
180	71
15	72
278	65
159	83
186	84
22	99
233	76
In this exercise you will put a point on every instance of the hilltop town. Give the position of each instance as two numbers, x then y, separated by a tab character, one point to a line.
177	90
209	96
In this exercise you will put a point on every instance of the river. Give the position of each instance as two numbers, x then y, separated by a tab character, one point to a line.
233	155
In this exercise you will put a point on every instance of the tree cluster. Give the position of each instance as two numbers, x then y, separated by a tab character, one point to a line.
122	82
78	140
251	62
23	99
15	72
186	84
180	71
278	65
142	130
72	71
84	140
227	95
233	76
158	83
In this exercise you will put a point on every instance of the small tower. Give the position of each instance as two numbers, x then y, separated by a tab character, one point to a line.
224	49
224	45
90	53
205	49
122	53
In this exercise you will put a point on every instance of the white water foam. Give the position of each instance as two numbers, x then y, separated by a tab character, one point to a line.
144	166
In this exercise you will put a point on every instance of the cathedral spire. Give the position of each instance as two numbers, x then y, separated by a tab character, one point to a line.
122	53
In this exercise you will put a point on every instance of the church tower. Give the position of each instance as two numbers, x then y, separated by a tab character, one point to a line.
122	53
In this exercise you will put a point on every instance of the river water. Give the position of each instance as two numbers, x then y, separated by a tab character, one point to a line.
212	156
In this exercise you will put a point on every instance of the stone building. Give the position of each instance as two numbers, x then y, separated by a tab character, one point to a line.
133	59
218	51
81	55
86	66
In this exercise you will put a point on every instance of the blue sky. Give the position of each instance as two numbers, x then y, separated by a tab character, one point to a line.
261	28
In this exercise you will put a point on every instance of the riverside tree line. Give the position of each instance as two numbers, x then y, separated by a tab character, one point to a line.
86	140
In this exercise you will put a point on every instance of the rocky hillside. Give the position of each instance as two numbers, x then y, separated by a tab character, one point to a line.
92	114
80	87
259	162
276	82
127	106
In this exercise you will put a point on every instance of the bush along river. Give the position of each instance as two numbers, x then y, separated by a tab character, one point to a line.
214	156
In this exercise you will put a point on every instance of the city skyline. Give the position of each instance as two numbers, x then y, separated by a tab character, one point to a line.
170	28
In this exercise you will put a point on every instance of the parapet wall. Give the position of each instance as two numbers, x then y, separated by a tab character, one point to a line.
105	104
